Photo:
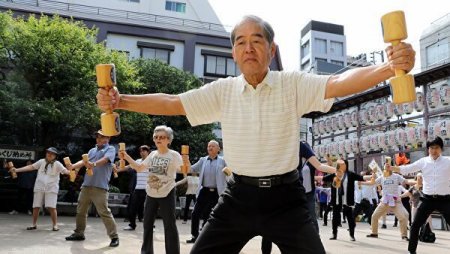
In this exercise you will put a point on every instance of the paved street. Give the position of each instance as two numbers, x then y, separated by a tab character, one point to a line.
14	239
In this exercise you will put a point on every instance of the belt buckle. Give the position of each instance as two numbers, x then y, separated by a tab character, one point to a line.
435	196
264	183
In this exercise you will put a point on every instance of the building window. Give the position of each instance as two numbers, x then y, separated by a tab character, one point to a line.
438	52
340	63
219	64
156	51
336	48
321	46
305	49
175	6
321	59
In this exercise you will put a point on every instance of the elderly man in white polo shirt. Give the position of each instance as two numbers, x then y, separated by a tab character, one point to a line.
260	113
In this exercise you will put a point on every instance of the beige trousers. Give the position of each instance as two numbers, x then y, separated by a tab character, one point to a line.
399	211
99	197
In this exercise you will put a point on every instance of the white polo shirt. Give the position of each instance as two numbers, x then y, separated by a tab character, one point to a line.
260	127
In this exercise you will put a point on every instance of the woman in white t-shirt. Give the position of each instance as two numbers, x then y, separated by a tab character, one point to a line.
163	165
46	186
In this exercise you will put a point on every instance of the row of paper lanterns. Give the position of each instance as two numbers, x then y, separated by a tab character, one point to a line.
385	140
374	142
374	113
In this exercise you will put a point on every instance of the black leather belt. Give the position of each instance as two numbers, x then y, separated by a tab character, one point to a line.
268	181
442	197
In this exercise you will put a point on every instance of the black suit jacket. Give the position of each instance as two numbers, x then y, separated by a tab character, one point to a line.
351	178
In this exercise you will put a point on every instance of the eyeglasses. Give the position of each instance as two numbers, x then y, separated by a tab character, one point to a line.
159	137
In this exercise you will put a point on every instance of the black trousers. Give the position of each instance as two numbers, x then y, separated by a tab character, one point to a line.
206	201
328	209
136	206
279	214
24	200
365	207
423	211
166	206
347	212
189	198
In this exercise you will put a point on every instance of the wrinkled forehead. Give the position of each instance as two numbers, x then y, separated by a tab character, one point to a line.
249	28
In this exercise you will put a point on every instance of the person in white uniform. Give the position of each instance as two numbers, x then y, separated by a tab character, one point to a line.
47	185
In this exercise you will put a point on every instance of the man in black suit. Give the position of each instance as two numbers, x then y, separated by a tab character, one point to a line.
343	197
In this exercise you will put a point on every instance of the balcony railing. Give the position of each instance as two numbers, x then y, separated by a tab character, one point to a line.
121	14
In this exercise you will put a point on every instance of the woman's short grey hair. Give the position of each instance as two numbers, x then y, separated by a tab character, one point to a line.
214	142
269	34
167	130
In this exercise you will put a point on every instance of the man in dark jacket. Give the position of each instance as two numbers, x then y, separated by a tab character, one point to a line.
343	197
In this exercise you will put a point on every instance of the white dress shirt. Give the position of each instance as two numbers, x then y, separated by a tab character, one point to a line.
436	174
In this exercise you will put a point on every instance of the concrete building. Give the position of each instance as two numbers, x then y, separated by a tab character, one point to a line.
435	44
322	47
182	33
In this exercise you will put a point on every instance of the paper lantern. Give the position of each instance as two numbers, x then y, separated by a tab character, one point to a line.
315	127
364	144
363	116
433	98
398	109
431	133
411	136
420	134
445	94
445	129
334	123
334	148
373	142
347	120
419	103
382	140
381	112
437	128
348	146
341	122
355	145
328	127
408	108
389	109
372	114
400	137
341	148
321	124
391	138
354	117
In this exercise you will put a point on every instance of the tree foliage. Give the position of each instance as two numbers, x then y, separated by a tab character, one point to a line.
48	88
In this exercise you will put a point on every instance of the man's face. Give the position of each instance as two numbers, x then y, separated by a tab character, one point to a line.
434	151
251	50
143	153
213	149
101	140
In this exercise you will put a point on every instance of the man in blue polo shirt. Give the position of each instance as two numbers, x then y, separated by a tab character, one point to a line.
95	189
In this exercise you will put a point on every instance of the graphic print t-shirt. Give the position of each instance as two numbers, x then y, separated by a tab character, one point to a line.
162	172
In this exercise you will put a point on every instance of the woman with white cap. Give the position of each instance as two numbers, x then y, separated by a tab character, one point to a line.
47	185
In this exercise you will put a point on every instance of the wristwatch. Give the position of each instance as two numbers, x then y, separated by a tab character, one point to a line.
95	164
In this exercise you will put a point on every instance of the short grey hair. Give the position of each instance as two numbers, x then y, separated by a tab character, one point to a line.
269	34
214	142
167	130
